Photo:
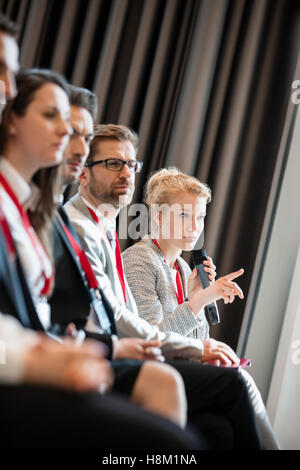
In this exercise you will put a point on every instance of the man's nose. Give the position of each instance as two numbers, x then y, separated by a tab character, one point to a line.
126	173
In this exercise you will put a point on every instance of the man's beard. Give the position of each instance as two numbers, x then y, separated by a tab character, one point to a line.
117	201
69	175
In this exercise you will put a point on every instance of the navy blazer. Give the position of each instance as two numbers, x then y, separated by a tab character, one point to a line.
71	297
15	297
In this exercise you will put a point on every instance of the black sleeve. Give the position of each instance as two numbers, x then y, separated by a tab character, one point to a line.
106	339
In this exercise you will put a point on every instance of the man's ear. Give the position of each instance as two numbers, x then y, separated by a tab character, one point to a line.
84	178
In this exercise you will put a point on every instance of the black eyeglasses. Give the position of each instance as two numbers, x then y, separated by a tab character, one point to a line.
115	164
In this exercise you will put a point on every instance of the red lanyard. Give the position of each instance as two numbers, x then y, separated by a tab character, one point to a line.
118	256
85	264
120	268
179	291
29	230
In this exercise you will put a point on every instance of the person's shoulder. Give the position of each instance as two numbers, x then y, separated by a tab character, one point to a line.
135	249
82	223
77	217
77	205
72	202
141	249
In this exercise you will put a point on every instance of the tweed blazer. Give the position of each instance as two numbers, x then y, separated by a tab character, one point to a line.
127	318
151	283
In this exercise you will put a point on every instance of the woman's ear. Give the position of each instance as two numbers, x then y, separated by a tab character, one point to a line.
155	222
157	217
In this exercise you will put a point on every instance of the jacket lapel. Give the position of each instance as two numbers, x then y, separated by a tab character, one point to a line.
17	289
58	225
68	245
78	203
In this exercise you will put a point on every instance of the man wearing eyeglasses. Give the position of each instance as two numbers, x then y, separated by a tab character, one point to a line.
106	185
115	152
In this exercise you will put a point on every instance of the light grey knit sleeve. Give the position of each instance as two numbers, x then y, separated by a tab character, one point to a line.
182	320
154	292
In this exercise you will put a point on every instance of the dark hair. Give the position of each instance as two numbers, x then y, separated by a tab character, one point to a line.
28	82
7	26
84	98
47	179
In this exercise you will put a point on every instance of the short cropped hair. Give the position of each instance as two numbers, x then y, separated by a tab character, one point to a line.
84	98
111	131
7	26
166	183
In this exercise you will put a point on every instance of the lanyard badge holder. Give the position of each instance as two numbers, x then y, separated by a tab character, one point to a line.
99	310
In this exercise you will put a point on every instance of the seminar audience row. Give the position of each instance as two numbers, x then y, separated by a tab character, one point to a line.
62	275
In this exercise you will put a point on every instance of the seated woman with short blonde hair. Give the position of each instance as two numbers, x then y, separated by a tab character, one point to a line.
167	293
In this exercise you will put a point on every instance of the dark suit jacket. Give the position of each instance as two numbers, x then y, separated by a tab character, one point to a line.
15	297
16	300
71	299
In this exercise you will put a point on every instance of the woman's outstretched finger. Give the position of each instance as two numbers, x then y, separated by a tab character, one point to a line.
234	275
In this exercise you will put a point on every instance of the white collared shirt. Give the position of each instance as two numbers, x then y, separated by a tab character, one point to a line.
34	260
108	225
92	324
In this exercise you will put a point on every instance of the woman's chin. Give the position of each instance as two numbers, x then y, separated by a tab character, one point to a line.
189	244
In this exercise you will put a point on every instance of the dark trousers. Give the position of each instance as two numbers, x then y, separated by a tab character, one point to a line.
218	404
38	418
223	393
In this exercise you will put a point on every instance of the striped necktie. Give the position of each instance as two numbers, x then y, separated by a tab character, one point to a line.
112	240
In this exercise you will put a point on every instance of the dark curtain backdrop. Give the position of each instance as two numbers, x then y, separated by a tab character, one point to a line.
205	83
